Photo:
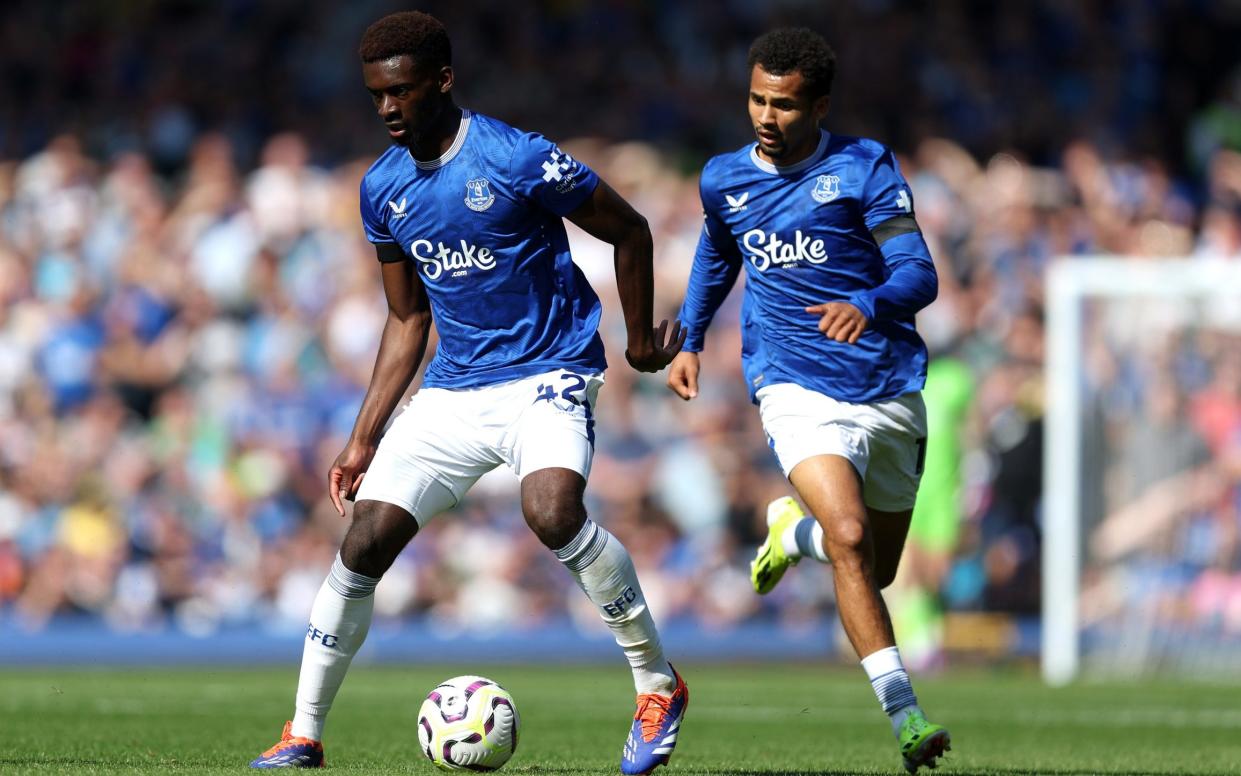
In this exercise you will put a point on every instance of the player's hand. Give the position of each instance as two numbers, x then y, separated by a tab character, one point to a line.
347	473
655	354
840	321
683	375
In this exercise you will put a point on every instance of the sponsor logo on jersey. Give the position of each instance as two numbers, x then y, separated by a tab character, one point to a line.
398	211
478	196
737	204
826	188
437	258
767	249
562	170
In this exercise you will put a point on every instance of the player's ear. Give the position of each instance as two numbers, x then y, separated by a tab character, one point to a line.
820	107
445	80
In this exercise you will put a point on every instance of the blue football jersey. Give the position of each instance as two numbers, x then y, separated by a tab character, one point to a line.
483	225
803	234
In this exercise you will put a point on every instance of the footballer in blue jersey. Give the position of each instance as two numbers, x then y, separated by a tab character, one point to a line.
836	267
465	213
481	227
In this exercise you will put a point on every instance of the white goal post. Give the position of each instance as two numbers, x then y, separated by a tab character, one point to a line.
1070	283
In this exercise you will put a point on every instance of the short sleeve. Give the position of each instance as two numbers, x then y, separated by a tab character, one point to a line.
885	194
372	223
543	173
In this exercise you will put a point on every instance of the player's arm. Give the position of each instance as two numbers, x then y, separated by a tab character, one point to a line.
606	216
401	349
717	263
910	282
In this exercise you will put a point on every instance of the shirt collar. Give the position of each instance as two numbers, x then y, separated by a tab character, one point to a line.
452	151
797	167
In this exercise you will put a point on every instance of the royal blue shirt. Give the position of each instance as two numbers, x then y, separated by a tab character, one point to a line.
804	234
483	225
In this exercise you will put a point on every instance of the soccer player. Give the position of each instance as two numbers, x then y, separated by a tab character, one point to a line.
465	213
835	270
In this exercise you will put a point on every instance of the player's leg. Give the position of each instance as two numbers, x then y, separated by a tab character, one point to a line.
340	618
832	489
792	535
398	494
896	439
921	741
798	425
341	614
552	504
552	452
889	530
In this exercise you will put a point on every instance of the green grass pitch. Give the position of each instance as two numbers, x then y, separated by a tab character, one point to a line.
761	719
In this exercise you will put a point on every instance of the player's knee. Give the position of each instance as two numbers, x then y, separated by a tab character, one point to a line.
554	516
371	545
845	535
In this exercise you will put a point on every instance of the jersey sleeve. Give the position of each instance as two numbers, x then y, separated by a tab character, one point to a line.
540	171
910	282
717	263
372	222
885	194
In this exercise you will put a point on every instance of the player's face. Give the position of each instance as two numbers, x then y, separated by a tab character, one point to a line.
785	120
410	100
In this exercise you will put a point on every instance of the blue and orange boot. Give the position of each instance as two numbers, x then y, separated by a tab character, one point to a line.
654	733
291	752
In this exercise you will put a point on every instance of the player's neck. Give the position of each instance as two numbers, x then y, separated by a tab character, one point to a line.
435	142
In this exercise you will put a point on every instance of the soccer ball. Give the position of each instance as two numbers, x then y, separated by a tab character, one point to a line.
468	723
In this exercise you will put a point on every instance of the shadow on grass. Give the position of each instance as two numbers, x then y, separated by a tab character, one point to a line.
55	761
943	770
536	770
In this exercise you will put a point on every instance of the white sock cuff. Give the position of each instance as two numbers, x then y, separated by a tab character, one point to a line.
882	663
350	584
806	536
585	548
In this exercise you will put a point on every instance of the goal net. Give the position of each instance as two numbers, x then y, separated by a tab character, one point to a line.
1141	509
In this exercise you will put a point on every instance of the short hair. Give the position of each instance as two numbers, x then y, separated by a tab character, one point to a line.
796	50
419	35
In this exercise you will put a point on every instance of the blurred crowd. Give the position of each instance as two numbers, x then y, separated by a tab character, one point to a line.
189	312
994	76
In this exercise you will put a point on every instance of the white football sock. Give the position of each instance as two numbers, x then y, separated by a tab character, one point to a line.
804	539
339	620
602	567
891	684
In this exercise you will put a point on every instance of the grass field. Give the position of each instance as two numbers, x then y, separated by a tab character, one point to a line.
778	720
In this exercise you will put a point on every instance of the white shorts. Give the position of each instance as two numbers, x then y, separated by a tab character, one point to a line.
885	441
444	440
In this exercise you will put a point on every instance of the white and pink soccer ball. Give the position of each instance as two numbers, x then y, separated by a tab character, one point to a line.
468	723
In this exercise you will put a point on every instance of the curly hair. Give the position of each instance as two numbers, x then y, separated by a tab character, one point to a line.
412	33
796	50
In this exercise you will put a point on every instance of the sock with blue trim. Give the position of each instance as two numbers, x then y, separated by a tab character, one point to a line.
891	684
804	539
602	567
339	621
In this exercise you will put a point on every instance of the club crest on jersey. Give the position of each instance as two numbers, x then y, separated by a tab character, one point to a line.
826	188
478	196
